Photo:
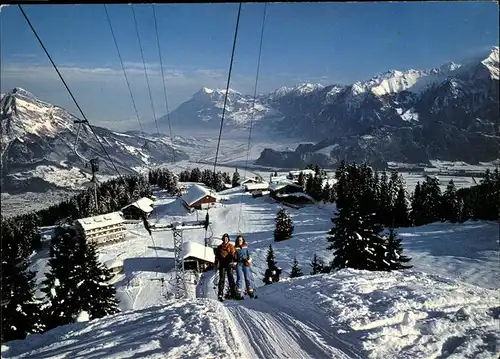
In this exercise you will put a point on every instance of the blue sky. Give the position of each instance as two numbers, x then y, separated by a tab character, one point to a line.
303	42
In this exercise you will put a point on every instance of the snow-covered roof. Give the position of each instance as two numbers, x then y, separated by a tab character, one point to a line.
113	263
253	186
197	192
306	172
282	184
248	180
102	220
193	249
298	194
144	204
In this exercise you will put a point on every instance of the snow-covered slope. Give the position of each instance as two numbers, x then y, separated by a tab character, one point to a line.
348	315
446	306
38	146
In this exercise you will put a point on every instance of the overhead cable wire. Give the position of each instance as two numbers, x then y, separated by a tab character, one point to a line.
163	80
123	68
67	88
253	106
227	88
145	71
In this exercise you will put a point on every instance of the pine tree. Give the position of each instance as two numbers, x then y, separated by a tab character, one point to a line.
19	308
96	296
401	210
384	199
316	264
301	180
59	285
417	208
296	270
394	258
356	237
273	272
309	185
284	225
450	209
76	281
236	179
430	193
326	192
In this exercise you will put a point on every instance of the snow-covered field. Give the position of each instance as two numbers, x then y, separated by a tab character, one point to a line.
447	306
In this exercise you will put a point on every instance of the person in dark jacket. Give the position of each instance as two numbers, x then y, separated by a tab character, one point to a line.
225	258
243	272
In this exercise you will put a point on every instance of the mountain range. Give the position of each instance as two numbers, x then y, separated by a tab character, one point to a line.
407	116
39	138
449	113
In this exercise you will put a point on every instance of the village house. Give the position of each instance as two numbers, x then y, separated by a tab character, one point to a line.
137	209
197	257
278	189
255	187
199	197
294	175
248	180
102	229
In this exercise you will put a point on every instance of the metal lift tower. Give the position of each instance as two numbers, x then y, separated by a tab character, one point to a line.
177	229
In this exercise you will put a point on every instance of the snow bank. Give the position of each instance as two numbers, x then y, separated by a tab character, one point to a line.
396	315
177	330
357	314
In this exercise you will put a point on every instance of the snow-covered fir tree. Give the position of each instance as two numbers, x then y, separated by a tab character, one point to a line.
302	180
401	209
284	225
450	206
76	281
20	310
426	204
235	182
273	272
394	258
317	265
97	297
59	284
356	236
309	184
296	270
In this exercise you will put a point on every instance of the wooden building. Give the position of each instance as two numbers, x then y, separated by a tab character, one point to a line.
102	229
137	209
197	257
252	187
281	188
198	197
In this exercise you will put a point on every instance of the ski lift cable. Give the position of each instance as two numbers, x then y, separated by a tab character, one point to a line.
163	79
123	68
67	88
253	107
227	87
145	71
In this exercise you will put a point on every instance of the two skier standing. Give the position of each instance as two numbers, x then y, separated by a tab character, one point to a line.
229	257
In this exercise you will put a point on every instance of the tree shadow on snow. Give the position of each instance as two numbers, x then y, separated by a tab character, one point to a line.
460	240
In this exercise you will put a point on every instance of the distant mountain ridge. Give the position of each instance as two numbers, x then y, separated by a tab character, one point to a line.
38	137
404	116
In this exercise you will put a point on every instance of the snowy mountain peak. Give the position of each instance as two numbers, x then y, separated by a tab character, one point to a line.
491	62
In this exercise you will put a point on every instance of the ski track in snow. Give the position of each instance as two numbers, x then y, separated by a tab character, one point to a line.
273	330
